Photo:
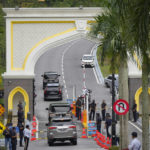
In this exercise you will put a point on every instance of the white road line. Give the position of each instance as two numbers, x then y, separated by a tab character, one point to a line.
62	65
135	126
96	76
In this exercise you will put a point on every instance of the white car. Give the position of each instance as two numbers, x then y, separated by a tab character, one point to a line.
87	60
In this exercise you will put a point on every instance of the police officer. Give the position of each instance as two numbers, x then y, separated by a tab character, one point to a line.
7	134
13	138
134	110
92	110
78	108
98	121
103	108
21	135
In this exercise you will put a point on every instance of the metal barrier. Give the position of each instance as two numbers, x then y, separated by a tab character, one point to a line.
97	68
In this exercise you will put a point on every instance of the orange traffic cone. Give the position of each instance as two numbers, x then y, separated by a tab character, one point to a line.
84	134
108	144
96	135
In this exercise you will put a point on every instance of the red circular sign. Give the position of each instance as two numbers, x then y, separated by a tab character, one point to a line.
121	107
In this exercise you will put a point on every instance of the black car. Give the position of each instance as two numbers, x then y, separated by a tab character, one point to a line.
50	77
53	91
59	110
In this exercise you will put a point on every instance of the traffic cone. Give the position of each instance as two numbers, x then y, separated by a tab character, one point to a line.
34	118
108	144
84	134
96	135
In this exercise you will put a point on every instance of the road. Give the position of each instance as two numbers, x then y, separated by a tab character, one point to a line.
66	61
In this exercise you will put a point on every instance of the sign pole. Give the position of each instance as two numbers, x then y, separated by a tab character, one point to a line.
113	113
87	110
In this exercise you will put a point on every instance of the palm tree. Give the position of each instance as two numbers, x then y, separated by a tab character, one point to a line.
114	45
139	25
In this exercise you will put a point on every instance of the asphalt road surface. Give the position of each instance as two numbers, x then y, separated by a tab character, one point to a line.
65	60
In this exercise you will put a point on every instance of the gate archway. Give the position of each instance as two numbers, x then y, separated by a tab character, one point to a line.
26	99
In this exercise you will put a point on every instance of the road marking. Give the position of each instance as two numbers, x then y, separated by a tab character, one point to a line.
62	65
135	126
96	76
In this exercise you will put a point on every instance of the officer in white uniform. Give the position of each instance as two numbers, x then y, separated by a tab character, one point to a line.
135	143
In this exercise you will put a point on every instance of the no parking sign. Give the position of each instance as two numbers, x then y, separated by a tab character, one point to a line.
121	107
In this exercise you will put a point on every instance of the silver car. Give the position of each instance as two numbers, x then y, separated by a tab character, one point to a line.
61	129
59	110
108	80
87	60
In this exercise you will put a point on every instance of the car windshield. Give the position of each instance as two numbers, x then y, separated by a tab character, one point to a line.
60	108
61	122
51	76
87	57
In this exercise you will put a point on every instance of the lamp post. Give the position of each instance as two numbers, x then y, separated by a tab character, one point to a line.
113	113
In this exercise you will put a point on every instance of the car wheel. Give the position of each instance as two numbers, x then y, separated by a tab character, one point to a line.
106	85
74	141
50	143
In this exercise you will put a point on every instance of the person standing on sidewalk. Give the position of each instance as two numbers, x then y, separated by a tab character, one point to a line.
13	138
92	110
20	116
135	143
21	128
108	125
134	110
20	106
78	108
27	134
117	132
98	121
7	134
103	108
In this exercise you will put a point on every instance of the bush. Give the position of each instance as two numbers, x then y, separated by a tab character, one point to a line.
9	120
2	148
114	148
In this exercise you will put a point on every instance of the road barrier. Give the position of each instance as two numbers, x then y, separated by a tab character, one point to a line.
84	120
34	129
97	68
92	129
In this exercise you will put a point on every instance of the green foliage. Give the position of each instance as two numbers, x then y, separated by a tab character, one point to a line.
114	148
114	45
9	120
105	68
2	148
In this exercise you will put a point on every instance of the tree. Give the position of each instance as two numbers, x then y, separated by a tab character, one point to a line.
138	14
114	45
139	24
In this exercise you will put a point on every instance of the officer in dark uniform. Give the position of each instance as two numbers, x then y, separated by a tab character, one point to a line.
134	110
78	108
21	135
13	138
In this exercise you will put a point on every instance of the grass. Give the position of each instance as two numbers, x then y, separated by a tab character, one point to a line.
105	68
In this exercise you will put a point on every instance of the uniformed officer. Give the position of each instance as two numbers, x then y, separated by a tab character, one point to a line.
13	138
